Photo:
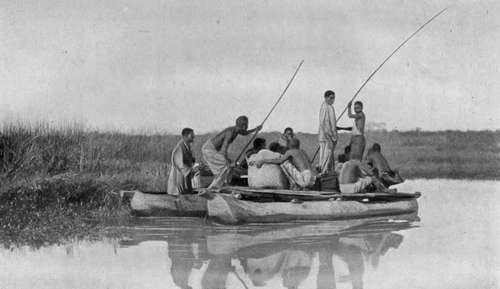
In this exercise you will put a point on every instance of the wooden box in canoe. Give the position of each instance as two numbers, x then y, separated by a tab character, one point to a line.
164	205
234	209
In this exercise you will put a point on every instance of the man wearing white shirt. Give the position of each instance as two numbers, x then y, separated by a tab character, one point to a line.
327	133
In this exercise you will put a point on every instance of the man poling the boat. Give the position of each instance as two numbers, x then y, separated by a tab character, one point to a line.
183	167
222	170
380	66
215	149
358	141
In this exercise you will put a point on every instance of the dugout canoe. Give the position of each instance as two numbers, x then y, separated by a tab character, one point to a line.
164	205
231	209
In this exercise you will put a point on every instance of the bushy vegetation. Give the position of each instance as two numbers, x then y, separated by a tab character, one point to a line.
53	210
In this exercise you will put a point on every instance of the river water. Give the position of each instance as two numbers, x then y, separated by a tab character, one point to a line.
454	242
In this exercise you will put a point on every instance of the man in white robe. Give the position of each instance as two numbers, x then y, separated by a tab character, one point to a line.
182	167
327	133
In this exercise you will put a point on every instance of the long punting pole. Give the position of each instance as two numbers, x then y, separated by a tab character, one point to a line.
381	64
272	109
218	179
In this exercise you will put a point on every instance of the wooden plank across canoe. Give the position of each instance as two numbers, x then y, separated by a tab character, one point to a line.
287	195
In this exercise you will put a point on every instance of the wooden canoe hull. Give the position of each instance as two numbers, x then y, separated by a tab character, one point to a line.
229	210
164	205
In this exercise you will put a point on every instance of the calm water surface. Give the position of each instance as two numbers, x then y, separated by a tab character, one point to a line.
456	244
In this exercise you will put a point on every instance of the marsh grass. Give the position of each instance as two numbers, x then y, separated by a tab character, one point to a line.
142	161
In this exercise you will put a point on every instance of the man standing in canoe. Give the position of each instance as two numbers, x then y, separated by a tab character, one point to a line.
215	149
181	168
358	141
327	133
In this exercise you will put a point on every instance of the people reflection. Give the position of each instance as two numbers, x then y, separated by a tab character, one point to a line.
326	271
292	263
183	260
296	268
351	255
217	272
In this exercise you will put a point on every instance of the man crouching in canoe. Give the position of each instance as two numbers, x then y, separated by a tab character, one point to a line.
296	165
215	150
182	162
384	172
356	177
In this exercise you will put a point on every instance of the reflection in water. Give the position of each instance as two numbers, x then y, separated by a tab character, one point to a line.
371	253
261	255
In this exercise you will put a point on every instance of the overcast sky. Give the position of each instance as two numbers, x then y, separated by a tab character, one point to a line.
163	65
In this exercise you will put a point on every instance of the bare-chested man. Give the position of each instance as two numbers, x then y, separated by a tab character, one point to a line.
358	141
296	165
215	149
355	177
384	172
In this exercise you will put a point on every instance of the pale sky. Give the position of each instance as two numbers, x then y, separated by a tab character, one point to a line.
163	65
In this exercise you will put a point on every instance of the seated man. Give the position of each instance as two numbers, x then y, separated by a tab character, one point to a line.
270	153
384	172
296	165
266	175
356	177
286	137
347	152
341	159
258	144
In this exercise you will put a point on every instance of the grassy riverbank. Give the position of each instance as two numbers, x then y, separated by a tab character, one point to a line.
56	182
141	161
56	209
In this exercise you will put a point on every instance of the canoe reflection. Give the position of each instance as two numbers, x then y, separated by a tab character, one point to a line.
334	252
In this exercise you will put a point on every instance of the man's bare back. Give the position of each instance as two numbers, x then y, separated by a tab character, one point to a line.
299	159
350	172
378	161
229	133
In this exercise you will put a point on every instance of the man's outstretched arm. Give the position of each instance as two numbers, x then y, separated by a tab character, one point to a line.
257	128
